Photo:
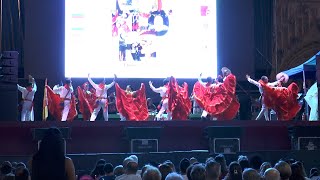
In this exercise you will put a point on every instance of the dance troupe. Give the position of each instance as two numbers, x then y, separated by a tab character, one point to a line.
216	97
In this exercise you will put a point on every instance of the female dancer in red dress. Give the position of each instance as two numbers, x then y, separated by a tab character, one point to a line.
132	105
86	99
219	101
281	99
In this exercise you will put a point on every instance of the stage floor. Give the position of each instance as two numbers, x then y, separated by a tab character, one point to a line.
109	137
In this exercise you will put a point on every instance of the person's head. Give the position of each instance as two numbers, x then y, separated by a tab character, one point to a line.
271	174
189	171
297	172
198	172
5	168
235	170
225	71
85	86
128	88
184	164
174	176
125	162
98	171
170	163
284	170
132	167
22	173
134	158
250	174
52	144
29	86
255	162
67	81
108	169
220	79
166	81
101	161
244	162
149	101
21	165
222	161
151	173
213	170
264	166
165	169
193	160
209	80
314	172
264	79
118	170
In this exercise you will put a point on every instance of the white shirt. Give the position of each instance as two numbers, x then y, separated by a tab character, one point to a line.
161	90
26	94
100	92
205	84
63	92
256	83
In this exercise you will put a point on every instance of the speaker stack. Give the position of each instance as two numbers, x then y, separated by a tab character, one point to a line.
8	85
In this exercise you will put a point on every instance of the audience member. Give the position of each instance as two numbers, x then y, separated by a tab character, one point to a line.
264	166
244	162
256	162
284	170
213	170
130	172
271	174
235	172
22	173
168	162
222	161
198	172
118	171
174	176
151	173
296	172
108	170
250	174
184	164
165	169
50	162
314	174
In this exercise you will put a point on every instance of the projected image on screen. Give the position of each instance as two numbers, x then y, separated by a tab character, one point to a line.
140	38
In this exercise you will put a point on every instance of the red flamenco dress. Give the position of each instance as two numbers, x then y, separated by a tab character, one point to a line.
133	105
86	102
282	100
179	103
55	109
219	100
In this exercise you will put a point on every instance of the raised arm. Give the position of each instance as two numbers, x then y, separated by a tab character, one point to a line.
200	80
157	90
273	84
20	88
113	82
94	85
256	83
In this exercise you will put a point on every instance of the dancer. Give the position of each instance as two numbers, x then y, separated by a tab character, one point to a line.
132	105
281	99
208	84
61	101
86	100
220	100
28	93
179	103
264	110
163	91
101	97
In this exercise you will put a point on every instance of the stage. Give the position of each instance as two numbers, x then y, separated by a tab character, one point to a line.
110	136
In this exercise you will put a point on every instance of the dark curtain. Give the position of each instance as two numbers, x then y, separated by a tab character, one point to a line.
12	29
263	30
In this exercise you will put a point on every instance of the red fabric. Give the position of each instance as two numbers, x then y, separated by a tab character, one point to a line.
159	5
133	106
219	101
179	103
86	103
282	100
54	105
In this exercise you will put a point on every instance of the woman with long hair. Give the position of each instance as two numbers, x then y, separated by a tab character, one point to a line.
50	162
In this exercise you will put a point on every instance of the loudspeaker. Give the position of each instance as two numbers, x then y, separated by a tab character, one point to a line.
9	103
143	132
144	145
223	139
9	67
304	137
318	80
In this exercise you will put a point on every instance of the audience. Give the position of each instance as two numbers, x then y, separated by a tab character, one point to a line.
213	170
244	162
271	174
235	172
198	172
222	160
184	164
151	173
165	169
264	166
108	172
22	173
130	172
284	170
174	176
250	174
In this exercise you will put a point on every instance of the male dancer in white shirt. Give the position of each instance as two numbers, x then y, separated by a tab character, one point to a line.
264	110
102	97
27	99
163	91
65	93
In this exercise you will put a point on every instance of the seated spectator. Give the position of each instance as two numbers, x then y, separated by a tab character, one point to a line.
165	169
244	162
118	171
151	173
108	169
184	164
250	174
198	172
130	172
98	169
213	170
22	173
314	174
271	174
284	170
296	172
256	162
235	172
6	169
222	161
169	163
50	162
193	160
174	176
264	166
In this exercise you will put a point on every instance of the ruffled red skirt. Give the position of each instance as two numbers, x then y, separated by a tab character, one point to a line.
179	103
132	106
55	109
86	103
219	101
282	100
